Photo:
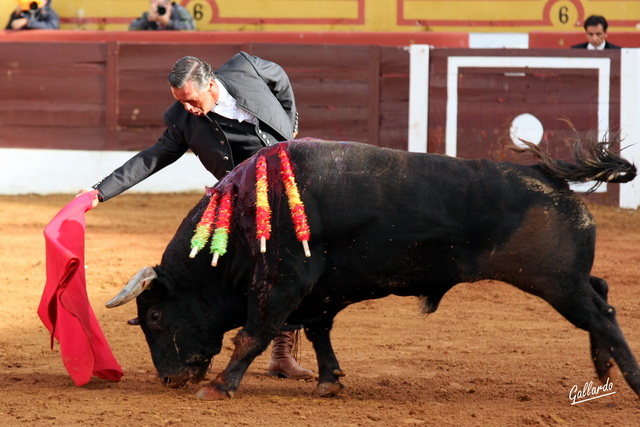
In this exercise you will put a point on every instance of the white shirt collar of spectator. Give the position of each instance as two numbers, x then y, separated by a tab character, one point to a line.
592	47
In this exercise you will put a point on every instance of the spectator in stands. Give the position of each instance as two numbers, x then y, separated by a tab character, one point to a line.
164	15
595	28
33	15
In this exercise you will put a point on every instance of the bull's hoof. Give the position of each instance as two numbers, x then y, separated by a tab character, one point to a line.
328	389
339	373
212	393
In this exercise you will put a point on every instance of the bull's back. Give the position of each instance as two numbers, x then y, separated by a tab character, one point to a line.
397	222
397	217
350	185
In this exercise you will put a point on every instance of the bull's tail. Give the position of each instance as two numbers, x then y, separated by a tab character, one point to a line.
597	162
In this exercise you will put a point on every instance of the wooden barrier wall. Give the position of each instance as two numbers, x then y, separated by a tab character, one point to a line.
111	94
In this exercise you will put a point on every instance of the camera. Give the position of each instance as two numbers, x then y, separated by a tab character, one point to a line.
161	10
30	13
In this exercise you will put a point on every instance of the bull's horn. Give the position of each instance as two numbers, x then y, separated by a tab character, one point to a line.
139	283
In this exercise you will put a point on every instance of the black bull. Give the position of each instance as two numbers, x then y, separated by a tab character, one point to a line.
382	222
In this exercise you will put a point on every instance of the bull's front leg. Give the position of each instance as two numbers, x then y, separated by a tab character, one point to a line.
328	367
247	347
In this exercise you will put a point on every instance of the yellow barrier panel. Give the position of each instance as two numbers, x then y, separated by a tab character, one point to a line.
358	15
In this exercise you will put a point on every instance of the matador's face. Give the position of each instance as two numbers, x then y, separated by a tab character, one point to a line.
195	101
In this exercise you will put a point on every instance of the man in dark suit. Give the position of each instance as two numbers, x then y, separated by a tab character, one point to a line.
224	117
595	28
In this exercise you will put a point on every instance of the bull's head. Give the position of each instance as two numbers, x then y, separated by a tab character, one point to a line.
176	323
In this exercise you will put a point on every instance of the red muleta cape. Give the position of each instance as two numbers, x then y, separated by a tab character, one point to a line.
64	308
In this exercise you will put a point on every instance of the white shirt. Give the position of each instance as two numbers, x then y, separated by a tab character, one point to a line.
227	107
601	47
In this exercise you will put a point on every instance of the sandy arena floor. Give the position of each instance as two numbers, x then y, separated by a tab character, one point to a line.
490	356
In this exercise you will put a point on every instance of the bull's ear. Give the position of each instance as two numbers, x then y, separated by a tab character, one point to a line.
139	283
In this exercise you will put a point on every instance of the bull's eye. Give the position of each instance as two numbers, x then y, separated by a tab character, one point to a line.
154	317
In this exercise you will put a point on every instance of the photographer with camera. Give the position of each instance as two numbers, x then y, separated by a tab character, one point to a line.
164	15
33	15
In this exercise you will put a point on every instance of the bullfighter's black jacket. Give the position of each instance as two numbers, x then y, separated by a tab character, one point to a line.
260	87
